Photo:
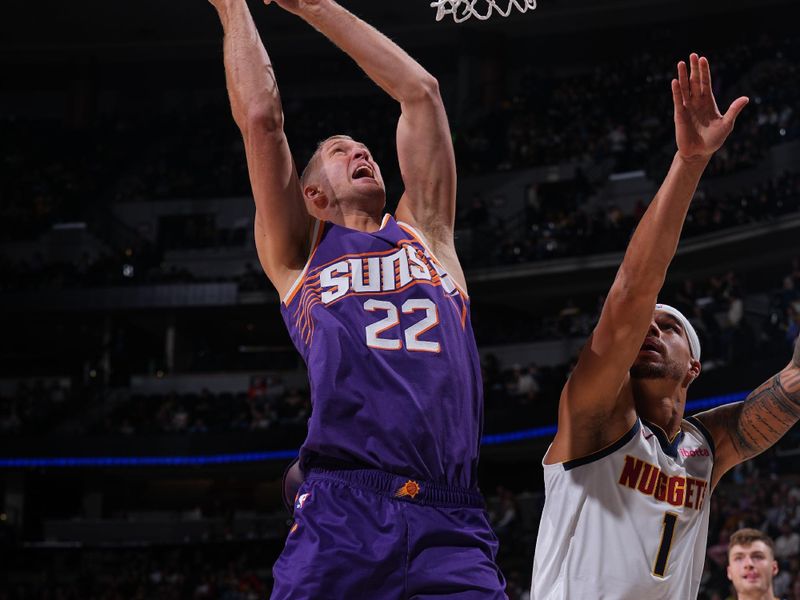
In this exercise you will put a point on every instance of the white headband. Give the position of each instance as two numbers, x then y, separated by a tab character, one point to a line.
691	334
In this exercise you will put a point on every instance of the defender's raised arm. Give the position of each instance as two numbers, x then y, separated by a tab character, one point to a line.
594	410
282	222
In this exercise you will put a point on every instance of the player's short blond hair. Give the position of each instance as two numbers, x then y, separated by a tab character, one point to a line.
313	163
745	537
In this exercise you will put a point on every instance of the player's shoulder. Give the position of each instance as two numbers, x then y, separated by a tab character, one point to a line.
607	452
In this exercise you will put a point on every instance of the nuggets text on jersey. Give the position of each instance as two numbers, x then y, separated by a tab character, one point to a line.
676	490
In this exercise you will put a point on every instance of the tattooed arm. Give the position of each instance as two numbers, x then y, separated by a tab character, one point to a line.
744	429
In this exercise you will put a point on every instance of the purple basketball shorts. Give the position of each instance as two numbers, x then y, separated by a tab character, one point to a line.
368	535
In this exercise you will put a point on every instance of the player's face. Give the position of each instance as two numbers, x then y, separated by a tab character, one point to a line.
351	172
665	352
751	568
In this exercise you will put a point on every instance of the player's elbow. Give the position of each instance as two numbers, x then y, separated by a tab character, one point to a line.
425	89
263	119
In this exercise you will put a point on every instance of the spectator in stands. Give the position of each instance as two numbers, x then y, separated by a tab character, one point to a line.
752	565
503	514
787	544
717	553
527	385
257	389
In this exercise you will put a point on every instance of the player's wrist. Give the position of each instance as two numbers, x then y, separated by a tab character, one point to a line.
224	7
694	160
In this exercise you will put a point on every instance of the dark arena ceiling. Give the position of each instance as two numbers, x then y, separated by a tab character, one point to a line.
48	31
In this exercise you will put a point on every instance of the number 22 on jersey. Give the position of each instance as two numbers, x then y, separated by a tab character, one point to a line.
430	319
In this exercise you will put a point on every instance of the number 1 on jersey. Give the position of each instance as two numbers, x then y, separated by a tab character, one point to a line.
667	534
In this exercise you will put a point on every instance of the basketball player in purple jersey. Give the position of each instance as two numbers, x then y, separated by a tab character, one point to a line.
388	506
628	480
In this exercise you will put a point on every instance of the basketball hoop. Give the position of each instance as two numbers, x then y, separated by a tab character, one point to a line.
465	9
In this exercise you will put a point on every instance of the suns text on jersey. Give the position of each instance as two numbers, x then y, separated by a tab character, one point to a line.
367	274
675	490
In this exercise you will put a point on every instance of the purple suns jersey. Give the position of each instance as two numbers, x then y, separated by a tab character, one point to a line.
394	370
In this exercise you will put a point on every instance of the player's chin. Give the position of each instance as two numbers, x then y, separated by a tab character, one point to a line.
646	367
366	183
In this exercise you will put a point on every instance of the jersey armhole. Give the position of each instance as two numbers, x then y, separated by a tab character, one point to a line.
315	238
421	239
704	432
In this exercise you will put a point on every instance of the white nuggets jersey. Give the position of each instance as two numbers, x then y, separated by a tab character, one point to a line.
628	522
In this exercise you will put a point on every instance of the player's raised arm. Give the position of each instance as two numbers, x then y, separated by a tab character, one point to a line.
744	429
424	144
282	221
593	410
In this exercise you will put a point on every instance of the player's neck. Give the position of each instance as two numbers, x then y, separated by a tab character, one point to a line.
660	402
359	220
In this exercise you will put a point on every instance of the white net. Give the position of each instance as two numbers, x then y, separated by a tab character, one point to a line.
466	9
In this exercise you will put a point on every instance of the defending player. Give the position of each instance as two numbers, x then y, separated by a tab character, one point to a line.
627	479
752	565
389	505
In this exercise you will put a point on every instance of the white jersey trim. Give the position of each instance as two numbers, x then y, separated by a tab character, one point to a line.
314	242
425	245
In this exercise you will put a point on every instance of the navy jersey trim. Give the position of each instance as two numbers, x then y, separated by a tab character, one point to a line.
706	434
610	449
670	447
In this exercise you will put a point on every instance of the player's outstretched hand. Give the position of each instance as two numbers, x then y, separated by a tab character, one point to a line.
700	129
298	7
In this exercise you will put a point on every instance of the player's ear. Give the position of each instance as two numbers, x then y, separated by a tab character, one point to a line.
774	568
693	372
314	195
728	572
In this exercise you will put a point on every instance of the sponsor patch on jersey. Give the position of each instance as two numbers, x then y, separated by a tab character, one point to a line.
301	500
409	488
689	452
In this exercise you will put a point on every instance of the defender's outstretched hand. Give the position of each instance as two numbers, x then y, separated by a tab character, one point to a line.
700	129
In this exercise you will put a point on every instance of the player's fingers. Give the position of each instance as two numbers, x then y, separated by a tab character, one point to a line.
734	109
683	80
705	76
677	97
694	74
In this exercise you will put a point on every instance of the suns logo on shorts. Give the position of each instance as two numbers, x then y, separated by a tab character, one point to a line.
409	488
300	501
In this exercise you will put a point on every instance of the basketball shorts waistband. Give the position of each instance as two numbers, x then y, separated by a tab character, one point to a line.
400	487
